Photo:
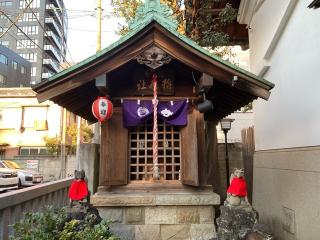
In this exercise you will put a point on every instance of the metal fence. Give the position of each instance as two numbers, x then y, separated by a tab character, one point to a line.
14	204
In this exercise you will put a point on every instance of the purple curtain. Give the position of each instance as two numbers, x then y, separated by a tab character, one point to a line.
134	113
173	112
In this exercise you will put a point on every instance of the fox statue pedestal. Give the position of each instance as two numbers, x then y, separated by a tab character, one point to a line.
238	220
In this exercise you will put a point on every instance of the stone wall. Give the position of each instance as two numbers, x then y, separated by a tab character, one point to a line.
286	191
49	166
150	216
14	204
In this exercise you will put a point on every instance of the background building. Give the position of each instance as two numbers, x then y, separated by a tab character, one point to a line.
24	122
284	41
14	70
37	132
41	36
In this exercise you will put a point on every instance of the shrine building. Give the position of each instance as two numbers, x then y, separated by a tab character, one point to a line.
158	151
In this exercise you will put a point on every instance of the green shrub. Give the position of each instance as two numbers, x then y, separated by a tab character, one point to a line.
52	143
53	224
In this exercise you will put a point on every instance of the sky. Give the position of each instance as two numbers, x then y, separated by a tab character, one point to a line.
82	28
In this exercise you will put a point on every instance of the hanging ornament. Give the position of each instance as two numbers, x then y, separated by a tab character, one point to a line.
102	109
156	172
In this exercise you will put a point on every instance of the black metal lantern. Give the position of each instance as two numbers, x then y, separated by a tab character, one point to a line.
225	127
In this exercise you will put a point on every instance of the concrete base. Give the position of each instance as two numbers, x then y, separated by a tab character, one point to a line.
286	191
159	216
89	162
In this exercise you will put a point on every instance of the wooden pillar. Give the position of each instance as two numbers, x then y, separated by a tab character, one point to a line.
211	155
114	152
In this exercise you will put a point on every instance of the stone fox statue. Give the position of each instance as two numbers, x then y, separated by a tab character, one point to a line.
78	191
237	191
80	207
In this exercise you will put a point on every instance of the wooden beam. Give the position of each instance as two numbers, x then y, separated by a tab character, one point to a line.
203	63
205	82
214	11
173	45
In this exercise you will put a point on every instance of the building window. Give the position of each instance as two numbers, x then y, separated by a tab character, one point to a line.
6	4
2	154
23	70
141	154
3	80
34	4
31	57
33	71
26	43
14	65
2	16
32	115
10	118
33	151
29	30
29	17
3	59
3	29
4	43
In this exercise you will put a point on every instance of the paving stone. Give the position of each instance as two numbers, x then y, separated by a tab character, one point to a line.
147	232
161	215
175	232
187	214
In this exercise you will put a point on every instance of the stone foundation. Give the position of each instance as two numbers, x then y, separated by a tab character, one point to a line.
159	216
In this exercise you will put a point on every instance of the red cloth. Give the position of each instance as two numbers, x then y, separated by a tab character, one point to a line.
78	190
238	187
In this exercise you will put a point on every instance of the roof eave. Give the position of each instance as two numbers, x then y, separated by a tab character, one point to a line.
91	61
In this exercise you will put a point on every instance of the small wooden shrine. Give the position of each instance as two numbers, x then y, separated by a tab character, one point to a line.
158	151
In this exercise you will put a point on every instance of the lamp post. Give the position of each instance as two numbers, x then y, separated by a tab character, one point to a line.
225	127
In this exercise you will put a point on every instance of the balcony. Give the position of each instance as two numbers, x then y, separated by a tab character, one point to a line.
52	51
57	3
53	36
51	64
52	8
51	22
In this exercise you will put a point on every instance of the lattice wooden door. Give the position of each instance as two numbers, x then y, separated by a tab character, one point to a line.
140	152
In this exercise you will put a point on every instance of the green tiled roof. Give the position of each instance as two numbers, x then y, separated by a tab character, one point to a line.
154	11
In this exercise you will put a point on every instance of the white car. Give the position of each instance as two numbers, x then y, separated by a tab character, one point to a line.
27	177
8	178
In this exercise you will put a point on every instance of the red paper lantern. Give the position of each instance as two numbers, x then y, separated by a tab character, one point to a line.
102	109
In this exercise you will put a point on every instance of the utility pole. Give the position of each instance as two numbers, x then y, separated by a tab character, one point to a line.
96	138
99	19
63	142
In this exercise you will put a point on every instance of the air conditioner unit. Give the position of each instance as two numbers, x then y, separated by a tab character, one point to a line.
40	125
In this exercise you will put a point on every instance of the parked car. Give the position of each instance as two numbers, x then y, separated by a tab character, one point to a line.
27	177
8	178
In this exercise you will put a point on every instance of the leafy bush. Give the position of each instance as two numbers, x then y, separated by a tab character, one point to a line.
53	224
52	143
86	134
